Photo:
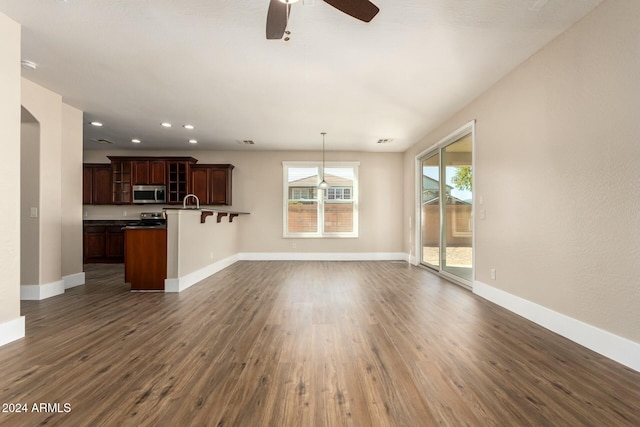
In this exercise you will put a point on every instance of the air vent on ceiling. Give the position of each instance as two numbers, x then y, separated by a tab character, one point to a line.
384	141
102	141
246	142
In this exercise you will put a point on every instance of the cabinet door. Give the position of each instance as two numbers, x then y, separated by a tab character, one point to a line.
102	185
140	172
87	185
157	172
94	243
177	181
96	184
220	185
115	243
199	181
121	173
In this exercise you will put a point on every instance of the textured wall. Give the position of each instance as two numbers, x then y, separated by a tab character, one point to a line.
71	190
557	166
46	107
9	168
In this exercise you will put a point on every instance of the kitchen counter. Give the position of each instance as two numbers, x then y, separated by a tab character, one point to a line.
207	212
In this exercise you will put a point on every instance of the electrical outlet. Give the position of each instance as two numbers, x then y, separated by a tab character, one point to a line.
124	213
493	274
293	245
34	212
211	255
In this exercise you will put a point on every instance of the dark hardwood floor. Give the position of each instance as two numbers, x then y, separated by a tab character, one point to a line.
302	344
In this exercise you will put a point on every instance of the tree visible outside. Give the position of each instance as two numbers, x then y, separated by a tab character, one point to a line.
463	178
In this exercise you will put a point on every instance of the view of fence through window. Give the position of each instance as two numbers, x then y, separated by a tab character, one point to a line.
314	211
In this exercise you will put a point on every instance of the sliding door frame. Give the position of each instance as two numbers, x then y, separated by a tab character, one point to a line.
468	128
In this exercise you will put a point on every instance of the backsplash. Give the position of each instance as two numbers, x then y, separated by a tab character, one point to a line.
119	212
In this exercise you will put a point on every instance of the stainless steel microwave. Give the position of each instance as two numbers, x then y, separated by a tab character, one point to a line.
144	194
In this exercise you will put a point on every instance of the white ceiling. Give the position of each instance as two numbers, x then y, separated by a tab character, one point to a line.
133	64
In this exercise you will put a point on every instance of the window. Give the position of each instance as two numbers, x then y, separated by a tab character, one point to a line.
311	212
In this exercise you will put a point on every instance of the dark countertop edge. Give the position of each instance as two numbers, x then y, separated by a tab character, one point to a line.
145	227
207	209
108	221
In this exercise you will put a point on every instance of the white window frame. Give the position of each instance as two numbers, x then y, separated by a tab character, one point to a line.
320	199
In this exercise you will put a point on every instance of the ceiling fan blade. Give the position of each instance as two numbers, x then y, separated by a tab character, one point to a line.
276	20
363	10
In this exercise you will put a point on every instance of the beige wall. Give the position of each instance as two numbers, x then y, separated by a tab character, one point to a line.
46	107
257	188
9	168
193	246
557	164
71	180
29	198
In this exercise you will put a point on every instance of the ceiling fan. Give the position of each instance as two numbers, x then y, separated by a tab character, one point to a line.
279	10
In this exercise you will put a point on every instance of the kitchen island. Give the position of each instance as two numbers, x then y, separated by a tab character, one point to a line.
145	253
197	248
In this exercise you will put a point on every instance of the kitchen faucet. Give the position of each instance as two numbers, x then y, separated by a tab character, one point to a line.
184	202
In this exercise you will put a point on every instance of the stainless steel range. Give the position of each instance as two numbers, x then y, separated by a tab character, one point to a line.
150	219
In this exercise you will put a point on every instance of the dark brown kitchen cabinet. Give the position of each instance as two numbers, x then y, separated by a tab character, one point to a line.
96	184
103	244
145	265
121	174
149	172
212	183
178	180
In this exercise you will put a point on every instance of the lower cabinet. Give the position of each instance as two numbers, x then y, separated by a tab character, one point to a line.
103	244
145	264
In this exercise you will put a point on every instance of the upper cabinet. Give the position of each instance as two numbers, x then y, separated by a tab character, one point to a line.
112	183
149	172
178	179
122	175
212	183
96	184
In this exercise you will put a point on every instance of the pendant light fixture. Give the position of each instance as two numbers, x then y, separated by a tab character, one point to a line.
323	184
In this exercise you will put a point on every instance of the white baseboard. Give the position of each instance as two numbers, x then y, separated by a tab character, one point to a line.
40	292
323	256
73	280
181	283
614	347
12	330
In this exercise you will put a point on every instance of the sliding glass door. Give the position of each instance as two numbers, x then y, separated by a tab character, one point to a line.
430	220
446	199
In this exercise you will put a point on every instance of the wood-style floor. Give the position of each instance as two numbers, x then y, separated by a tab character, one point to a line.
302	344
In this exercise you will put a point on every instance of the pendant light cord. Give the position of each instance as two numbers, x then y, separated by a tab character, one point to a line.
323	134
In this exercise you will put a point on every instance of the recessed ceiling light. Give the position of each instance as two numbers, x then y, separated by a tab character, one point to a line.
193	141
190	127
135	141
98	124
166	125
28	65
